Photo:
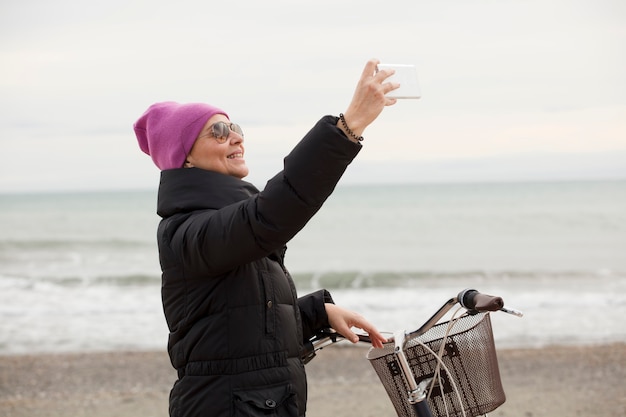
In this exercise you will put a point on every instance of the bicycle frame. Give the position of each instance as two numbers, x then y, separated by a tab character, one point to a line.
471	300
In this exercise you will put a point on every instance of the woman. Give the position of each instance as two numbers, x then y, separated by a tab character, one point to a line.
236	325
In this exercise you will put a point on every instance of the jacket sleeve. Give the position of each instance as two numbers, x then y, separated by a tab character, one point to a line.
313	312
311	172
253	228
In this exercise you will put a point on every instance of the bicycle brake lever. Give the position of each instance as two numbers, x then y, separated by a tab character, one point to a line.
512	311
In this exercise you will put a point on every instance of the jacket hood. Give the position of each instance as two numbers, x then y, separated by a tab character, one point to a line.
184	190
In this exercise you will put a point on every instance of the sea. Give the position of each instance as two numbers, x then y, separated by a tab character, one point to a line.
79	272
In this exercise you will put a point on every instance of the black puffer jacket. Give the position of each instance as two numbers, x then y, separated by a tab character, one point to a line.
236	326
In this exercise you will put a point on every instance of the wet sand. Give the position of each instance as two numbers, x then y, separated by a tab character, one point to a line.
552	381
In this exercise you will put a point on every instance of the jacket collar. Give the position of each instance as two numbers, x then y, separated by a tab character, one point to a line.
183	190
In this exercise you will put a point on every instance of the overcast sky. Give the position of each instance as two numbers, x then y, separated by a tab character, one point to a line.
511	90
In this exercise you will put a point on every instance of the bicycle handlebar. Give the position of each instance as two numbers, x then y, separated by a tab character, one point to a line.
472	300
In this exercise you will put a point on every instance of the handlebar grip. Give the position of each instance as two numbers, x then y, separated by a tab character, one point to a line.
475	301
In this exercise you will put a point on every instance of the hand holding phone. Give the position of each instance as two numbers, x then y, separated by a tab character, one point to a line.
406	76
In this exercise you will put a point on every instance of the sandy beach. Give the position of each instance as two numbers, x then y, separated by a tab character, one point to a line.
552	381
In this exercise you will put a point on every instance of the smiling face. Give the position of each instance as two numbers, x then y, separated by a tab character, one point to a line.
225	158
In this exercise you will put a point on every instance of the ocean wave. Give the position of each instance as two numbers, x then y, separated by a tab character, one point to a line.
394	279
73	281
332	280
71	312
128	280
53	244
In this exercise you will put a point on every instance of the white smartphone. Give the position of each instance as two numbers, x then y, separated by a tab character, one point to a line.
406	76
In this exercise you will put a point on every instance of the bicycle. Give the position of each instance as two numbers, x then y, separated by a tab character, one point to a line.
443	368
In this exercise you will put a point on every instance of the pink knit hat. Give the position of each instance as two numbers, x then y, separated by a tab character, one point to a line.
168	130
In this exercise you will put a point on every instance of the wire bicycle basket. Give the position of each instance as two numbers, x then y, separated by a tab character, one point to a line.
469	379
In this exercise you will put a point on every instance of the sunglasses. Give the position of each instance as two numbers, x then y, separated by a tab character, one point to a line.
221	130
